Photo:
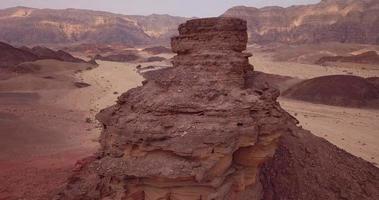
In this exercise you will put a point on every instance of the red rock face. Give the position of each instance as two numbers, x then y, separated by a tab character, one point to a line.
193	132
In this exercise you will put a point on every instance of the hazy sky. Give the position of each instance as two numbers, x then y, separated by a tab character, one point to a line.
188	8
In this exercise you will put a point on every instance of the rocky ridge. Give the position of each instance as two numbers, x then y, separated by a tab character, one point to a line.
32	26
197	131
346	21
11	56
369	57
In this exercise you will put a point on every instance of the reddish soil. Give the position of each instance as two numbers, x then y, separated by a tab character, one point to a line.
39	177
40	141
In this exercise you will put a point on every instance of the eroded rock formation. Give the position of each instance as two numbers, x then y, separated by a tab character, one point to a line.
196	131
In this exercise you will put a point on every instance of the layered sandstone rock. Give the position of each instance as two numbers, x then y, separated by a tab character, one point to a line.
196	131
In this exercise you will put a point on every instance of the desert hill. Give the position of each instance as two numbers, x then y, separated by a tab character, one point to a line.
338	90
11	56
46	53
21	25
369	57
350	21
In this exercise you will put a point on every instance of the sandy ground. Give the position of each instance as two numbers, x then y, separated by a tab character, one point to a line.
108	81
44	130
264	63
48	137
354	130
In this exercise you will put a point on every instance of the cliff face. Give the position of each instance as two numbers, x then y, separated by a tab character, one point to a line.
22	25
196	131
352	21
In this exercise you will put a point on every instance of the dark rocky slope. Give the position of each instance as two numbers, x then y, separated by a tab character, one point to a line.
46	53
11	56
197	131
338	90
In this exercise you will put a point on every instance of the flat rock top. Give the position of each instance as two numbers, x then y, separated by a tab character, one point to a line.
213	34
212	25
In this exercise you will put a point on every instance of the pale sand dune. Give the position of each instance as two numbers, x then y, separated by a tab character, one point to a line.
354	130
263	63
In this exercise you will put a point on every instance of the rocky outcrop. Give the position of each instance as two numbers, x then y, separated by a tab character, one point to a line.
350	21
198	131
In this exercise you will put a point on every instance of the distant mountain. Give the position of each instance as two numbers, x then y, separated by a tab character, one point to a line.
21	25
350	21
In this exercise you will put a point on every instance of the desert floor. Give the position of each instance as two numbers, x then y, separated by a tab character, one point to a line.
43	132
354	130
